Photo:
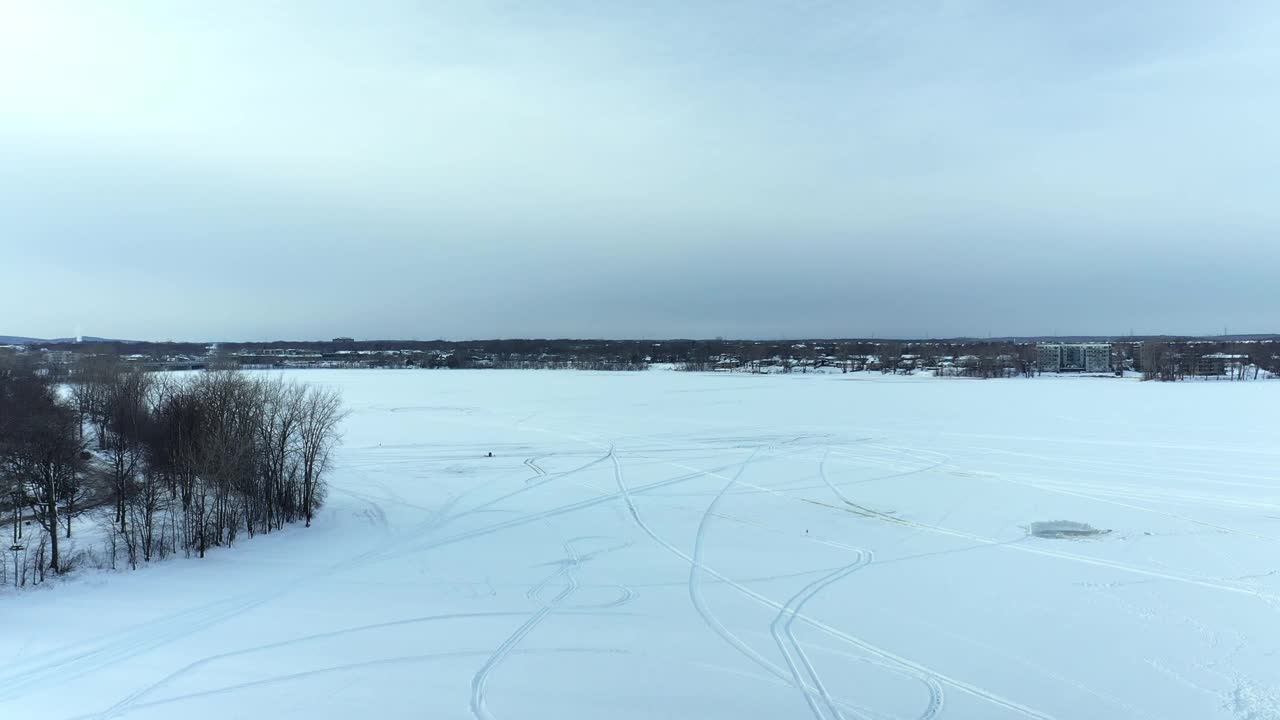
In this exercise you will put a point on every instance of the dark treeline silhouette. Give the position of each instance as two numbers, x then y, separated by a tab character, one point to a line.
176	464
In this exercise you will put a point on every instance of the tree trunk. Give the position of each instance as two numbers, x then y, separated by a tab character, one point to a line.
51	511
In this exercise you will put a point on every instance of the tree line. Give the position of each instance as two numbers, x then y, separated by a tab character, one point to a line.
173	464
1169	361
1156	357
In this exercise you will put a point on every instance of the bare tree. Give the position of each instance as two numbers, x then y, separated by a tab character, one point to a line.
41	452
318	433
1157	361
278	435
125	414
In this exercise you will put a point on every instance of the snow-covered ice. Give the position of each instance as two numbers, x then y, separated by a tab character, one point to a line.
679	545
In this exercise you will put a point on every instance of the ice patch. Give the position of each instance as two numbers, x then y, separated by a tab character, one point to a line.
1063	529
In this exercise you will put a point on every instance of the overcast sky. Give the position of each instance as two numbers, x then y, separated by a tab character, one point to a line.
260	170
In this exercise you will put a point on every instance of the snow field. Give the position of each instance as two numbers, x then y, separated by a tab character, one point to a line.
681	545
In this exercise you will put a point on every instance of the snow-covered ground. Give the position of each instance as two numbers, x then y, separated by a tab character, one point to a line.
673	545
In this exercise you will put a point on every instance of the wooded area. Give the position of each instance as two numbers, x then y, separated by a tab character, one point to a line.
174	464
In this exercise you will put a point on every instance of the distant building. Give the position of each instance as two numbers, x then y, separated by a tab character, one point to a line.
61	357
1219	363
1073	357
